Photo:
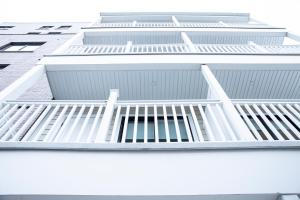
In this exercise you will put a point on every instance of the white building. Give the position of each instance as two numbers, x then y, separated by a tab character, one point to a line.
159	106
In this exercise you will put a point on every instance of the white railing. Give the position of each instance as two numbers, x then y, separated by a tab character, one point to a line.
180	25
271	120
146	122
181	49
227	49
132	122
285	49
123	49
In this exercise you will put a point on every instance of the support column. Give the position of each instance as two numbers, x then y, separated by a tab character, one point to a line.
175	21
229	109
188	42
128	46
293	36
21	85
263	50
107	116
224	24
134	23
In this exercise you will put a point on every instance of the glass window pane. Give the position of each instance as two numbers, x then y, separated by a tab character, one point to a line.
161	129
129	133
182	129
172	130
30	48
14	48
140	130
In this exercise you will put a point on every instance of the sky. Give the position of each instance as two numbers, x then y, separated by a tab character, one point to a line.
283	13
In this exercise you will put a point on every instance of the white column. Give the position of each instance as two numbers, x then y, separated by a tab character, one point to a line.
188	42
134	23
21	85
107	116
293	36
175	21
221	22
263	50
235	119
289	197
128	46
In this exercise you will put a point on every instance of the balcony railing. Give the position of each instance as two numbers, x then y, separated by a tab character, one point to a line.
146	122
132	122
271	120
180	25
180	49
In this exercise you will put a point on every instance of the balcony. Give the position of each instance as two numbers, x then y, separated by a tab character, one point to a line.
182	49
183	43
205	139
176	20
206	115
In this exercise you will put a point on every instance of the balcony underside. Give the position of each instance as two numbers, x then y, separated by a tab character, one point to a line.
198	37
172	81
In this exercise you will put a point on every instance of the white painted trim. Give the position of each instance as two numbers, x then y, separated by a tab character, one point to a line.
228	107
195	59
188	42
107	116
175	21
240	145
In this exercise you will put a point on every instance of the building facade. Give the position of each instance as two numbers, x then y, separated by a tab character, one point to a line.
43	38
158	106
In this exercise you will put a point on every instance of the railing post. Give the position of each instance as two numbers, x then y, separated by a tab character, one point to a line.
188	42
224	24
235	119
107	116
175	21
134	23
263	50
128	46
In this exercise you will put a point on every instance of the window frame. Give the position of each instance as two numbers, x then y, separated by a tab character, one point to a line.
64	27
3	49
45	27
3	66
3	28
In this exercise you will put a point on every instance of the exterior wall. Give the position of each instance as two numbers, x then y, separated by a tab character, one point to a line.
21	62
187	172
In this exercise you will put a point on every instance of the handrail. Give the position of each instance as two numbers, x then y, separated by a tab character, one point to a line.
182	48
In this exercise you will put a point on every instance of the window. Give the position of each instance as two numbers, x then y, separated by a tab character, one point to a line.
63	27
151	128
33	33
21	46
5	27
54	33
2	66
45	27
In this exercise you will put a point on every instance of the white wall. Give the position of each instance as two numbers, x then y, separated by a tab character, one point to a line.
194	172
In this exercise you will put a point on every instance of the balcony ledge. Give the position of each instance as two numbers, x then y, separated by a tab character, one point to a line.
239	145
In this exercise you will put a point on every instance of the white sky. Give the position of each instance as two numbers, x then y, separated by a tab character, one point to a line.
285	13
